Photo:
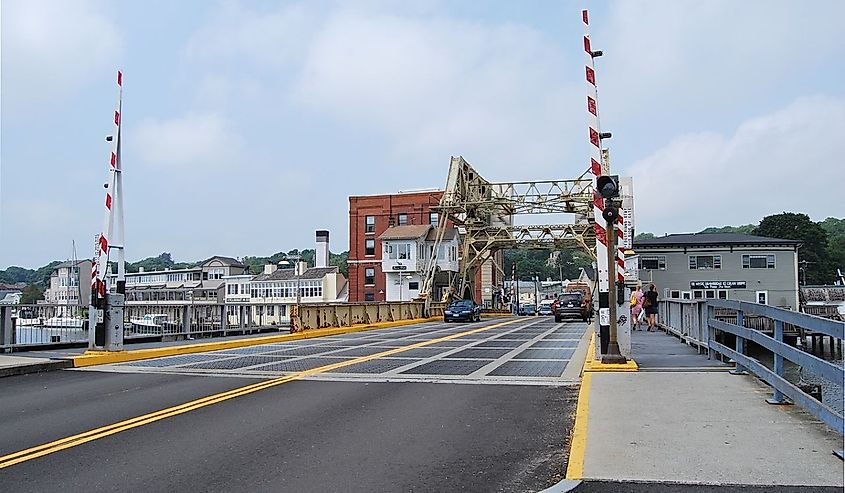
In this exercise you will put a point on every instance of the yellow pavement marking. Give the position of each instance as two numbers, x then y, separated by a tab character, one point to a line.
593	365
88	436
91	358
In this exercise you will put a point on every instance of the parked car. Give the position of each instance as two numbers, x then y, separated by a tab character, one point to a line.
572	305
545	308
462	310
527	309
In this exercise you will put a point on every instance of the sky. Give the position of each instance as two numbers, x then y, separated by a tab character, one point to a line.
247	124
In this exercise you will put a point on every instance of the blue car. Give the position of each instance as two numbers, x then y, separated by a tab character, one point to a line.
462	310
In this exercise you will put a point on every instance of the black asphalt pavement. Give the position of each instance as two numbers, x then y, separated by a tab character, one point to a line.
302	436
327	436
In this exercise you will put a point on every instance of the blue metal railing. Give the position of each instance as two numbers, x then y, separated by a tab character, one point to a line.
782	388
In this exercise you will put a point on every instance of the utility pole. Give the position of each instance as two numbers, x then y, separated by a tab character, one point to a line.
613	354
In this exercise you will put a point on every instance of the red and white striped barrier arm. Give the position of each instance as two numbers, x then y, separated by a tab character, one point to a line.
596	168
98	274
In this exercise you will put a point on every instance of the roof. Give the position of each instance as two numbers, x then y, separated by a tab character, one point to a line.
710	239
226	261
450	234
70	263
405	232
287	274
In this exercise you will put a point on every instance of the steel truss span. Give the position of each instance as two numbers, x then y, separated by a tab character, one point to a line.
484	213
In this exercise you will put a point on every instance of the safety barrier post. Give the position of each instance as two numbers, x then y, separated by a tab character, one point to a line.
740	344
777	397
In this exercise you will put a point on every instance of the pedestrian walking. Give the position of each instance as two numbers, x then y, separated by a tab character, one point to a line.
637	298
650	305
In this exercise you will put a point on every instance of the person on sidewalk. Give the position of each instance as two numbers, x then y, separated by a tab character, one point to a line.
650	304
637	298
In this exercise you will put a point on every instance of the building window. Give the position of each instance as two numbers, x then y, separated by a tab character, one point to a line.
404	251
709	294
653	262
402	219
697	294
686	295
705	262
270	310
370	224
433	219
763	297
723	294
413	286
369	297
369	247
758	261
216	273
369	276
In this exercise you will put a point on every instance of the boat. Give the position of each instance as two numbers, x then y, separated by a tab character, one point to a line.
63	323
150	323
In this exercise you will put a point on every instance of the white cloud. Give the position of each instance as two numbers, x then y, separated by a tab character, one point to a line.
497	94
50	48
270	39
673	57
784	161
205	140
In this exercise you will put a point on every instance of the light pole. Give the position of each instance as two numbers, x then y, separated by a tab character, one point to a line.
296	259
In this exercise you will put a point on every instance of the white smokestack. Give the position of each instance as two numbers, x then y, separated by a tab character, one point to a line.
322	254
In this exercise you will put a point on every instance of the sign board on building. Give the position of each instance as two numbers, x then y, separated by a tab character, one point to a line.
717	284
400	267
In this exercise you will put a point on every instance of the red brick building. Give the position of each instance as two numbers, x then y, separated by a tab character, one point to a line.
370	216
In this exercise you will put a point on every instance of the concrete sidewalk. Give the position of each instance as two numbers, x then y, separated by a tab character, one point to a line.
691	423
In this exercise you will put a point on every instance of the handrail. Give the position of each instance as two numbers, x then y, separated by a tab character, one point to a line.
782	388
826	326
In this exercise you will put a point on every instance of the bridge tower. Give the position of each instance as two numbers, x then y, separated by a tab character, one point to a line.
105	316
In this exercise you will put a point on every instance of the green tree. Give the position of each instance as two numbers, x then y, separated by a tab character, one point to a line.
813	251
833	226
644	236
744	229
31	294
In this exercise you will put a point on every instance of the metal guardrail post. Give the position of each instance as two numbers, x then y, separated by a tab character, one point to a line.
186	320
777	397
6	328
740	345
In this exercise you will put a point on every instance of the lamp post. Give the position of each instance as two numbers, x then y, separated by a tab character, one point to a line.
296	259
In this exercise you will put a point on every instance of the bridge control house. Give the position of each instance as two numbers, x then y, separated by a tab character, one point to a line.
721	266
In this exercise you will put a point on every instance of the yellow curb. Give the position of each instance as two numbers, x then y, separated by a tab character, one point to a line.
93	358
578	444
592	365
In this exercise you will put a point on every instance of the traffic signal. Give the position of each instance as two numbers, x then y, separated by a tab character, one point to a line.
610	212
608	186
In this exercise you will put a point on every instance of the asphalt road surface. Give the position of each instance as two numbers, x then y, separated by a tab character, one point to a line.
486	411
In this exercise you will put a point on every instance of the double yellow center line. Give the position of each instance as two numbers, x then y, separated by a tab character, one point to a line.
128	424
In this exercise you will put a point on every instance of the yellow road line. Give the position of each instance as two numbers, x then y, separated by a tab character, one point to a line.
97	433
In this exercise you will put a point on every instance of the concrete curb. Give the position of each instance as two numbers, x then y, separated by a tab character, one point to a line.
562	487
35	368
93	358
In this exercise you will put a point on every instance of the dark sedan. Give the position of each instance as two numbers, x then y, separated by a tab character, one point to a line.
463	310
